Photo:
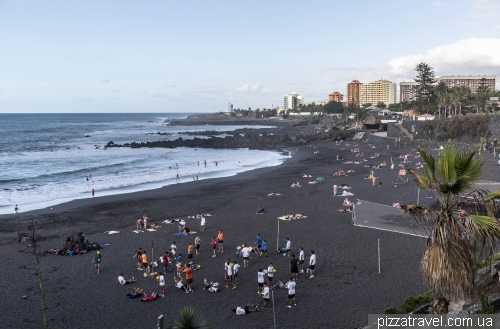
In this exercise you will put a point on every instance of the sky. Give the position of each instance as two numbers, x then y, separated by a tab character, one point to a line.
64	56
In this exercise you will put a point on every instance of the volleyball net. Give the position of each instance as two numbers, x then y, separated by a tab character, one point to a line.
387	218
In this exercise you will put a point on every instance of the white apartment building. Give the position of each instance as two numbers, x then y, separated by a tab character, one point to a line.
292	101
379	91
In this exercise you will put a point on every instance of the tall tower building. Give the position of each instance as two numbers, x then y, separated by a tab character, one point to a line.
379	91
335	96
292	101
354	92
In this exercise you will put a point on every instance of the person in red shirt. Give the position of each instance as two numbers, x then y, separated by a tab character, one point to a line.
165	262
189	278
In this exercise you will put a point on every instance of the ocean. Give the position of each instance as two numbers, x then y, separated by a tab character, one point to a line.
48	159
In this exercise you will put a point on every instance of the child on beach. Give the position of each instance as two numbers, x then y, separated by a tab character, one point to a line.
214	246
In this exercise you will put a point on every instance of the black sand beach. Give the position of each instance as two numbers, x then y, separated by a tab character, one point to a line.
347	286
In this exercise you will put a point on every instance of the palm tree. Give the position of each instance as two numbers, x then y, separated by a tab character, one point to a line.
189	318
463	93
449	263
440	90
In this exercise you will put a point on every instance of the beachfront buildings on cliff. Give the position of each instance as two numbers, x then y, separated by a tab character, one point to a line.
407	93
335	96
354	92
292	101
379	91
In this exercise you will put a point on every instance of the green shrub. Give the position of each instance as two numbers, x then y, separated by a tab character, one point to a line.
393	310
486	306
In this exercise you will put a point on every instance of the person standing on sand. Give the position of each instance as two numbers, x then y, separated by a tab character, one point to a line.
374	179
97	261
301	259
288	246
189	278
190	251
335	190
16	210
177	179
220	238
93	191
162	285
236	268
196	177
312	264
138	255
197	242
202	225
165	262
291	292
214	246
294	267
260	281
270	274
144	260
380	183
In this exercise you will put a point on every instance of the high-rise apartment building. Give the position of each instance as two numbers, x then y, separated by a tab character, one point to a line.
407	91
335	96
354	92
379	91
471	81
292	101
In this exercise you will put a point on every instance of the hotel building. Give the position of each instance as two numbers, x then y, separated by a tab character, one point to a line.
335	96
292	101
354	92
379	91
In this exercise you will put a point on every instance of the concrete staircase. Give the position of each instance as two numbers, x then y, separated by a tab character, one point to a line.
404	131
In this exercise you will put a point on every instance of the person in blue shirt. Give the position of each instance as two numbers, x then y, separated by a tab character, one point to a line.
263	249
259	242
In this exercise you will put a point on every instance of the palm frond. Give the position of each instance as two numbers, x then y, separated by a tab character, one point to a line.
423	181
430	162
446	166
492	196
479	226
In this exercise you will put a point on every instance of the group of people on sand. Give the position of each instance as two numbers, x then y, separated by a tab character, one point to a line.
295	185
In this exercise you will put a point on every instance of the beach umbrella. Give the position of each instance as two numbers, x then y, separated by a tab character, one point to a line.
320	179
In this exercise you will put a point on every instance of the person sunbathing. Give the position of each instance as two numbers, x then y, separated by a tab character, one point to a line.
350	171
179	284
383	164
121	280
272	194
345	210
335	174
212	286
186	230
155	225
261	210
396	205
300	216
316	152
313	182
341	172
154	296
136	293
245	310
347	202
345	187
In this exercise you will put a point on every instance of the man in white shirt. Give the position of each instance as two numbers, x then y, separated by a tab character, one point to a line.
122	281
288	246
270	274
246	255
260	281
246	309
301	259
236	268
229	270
266	295
291	292
312	264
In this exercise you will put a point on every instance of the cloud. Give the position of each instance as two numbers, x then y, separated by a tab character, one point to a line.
82	99
159	95
250	88
171	86
141	94
467	56
485	8
105	81
213	89
442	4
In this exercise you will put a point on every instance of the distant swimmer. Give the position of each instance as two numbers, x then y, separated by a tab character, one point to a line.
196	177
198	163
87	178
177	179
16	210
177	165
93	191
90	175
205	163
216	163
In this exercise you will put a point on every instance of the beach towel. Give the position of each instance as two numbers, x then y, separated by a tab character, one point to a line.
151	230
138	231
180	234
111	232
345	193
